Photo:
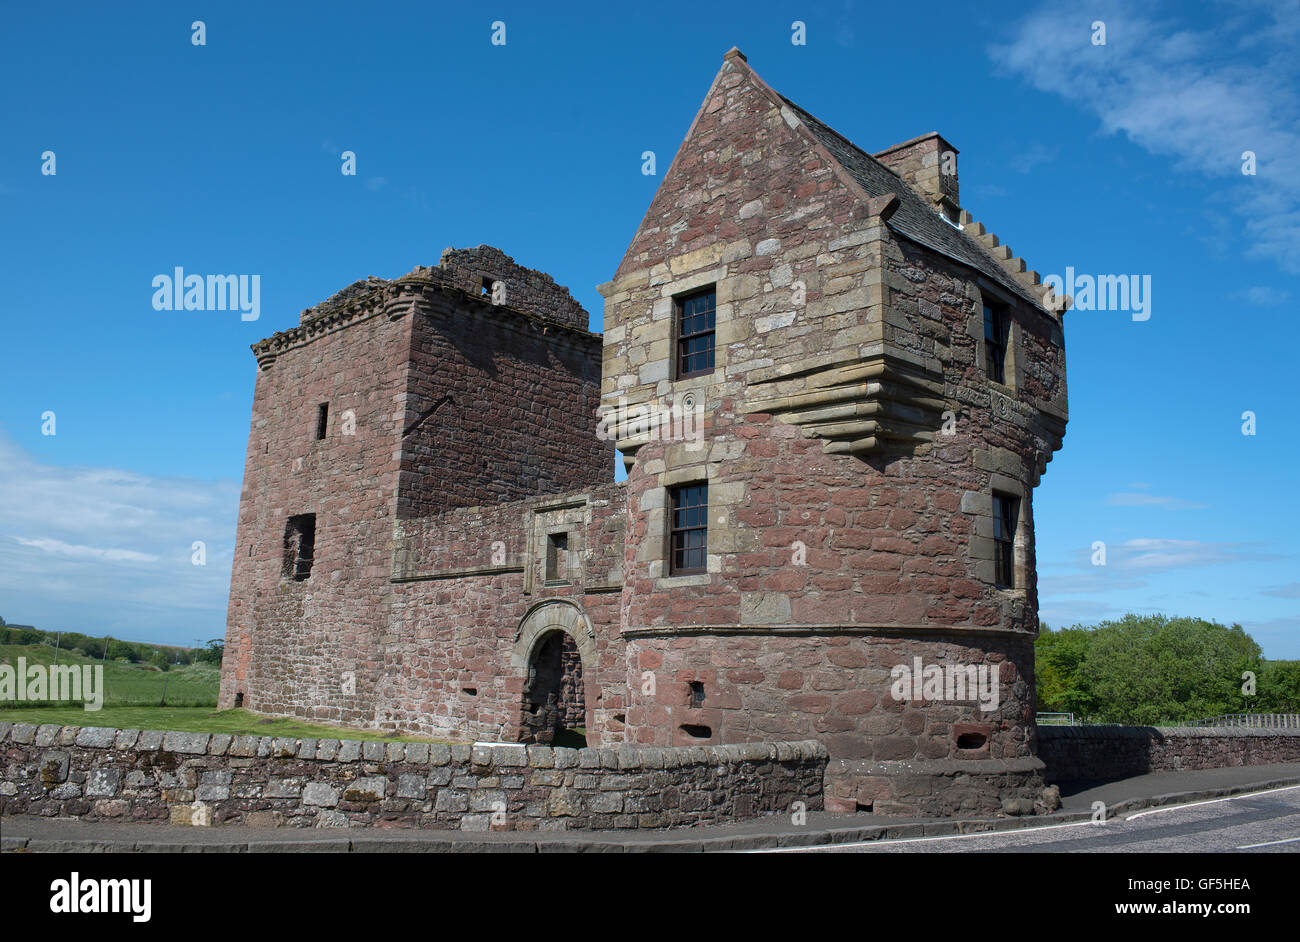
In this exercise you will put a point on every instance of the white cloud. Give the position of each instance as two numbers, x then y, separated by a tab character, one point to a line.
1264	296
1201	96
102	550
88	552
1152	500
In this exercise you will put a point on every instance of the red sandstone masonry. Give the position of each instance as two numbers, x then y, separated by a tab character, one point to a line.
431	600
1074	753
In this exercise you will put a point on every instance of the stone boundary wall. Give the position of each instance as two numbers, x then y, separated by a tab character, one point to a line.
95	773
1102	752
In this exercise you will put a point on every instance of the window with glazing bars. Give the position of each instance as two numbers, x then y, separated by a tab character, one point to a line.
1005	511
689	529
995	342
696	314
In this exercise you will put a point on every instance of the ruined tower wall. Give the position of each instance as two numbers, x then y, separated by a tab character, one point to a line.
292	641
515	399
519	420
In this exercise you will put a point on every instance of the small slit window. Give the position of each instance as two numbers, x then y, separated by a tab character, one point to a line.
322	420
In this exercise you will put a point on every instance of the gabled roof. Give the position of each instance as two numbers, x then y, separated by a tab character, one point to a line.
914	218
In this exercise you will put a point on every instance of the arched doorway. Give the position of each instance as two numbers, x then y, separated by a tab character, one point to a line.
554	654
555	708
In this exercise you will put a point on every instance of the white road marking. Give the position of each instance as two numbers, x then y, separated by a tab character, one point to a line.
1049	827
918	840
1212	801
1288	840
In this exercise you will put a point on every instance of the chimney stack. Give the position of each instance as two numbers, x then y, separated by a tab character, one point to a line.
929	164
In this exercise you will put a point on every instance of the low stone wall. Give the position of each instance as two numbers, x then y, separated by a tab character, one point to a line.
199	778
1073	753
940	787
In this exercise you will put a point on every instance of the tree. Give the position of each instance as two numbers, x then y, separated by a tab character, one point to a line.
1058	657
212	652
1151	669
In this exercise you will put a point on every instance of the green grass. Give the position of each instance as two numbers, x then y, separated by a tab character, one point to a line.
128	684
195	720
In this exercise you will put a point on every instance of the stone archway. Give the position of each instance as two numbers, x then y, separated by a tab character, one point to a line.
554	698
554	642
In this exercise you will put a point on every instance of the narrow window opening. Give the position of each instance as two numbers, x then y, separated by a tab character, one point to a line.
299	546
696	731
690	529
696	320
557	557
697	694
322	419
1006	511
486	290
470	691
239	699
995	342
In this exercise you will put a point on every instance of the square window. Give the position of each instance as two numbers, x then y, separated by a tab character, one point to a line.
689	529
996	332
299	546
696	319
1006	512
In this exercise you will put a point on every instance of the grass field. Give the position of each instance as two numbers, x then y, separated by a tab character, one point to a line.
133	694
194	720
126	684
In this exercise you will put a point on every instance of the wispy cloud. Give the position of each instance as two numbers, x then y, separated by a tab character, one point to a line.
1263	296
1200	95
1030	157
1289	591
1133	564
108	554
1132	499
102	550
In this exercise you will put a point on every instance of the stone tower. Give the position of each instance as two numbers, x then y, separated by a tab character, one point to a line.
880	386
474	382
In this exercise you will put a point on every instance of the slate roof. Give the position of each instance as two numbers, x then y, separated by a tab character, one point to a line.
914	218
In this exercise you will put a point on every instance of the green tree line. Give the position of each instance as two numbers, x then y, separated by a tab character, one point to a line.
1153	669
161	656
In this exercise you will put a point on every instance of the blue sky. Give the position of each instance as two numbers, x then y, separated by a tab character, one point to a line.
1123	158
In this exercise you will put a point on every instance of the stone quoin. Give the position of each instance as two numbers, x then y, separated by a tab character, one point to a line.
429	540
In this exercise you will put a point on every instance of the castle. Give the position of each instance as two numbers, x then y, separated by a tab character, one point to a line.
429	538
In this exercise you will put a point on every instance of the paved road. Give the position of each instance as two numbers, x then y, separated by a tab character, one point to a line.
1261	822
